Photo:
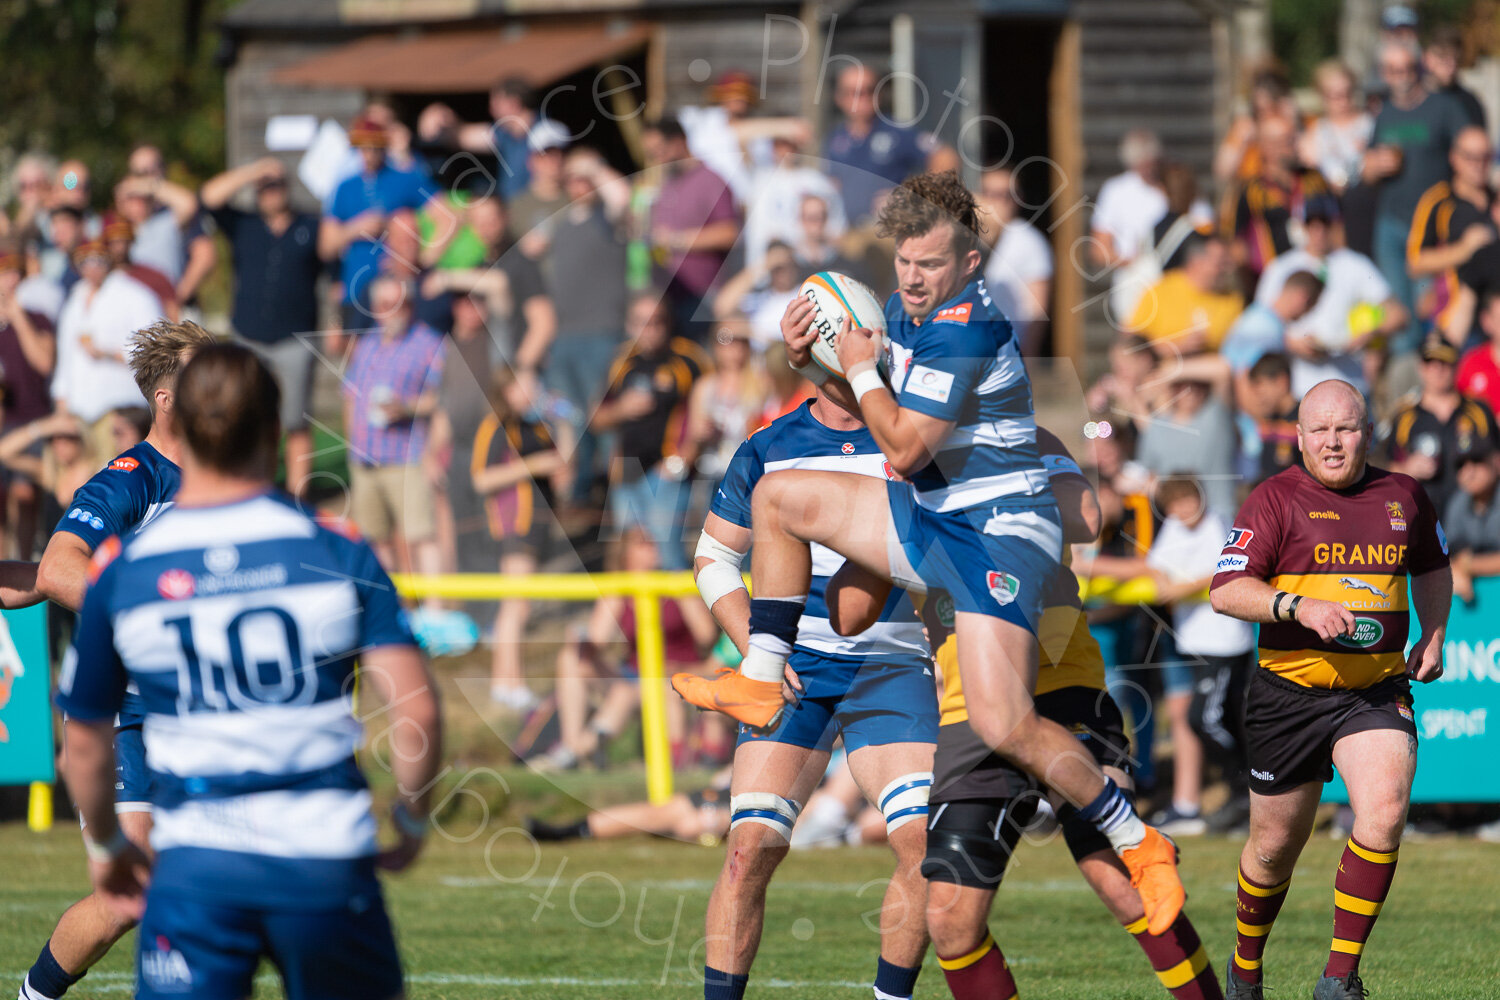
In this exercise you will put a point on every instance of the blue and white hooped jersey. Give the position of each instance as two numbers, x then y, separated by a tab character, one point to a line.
962	363
136	486
799	441
241	624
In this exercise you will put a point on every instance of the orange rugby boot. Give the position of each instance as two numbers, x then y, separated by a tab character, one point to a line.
757	704
1153	872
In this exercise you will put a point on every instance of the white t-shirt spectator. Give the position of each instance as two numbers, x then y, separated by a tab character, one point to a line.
40	294
1021	255
1183	554
775	207
1349	279
84	385
1128	210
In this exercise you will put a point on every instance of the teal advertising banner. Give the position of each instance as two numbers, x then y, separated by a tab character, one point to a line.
1458	716
26	753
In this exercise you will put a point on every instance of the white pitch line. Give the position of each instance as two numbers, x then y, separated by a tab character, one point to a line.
703	885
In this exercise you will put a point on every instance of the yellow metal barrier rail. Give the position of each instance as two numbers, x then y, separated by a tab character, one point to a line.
646	591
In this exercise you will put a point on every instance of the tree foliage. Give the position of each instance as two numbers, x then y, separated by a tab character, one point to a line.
90	78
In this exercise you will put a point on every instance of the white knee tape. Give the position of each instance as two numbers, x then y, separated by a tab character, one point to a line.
721	576
766	808
905	799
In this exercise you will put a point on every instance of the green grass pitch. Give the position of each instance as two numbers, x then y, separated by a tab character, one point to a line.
497	918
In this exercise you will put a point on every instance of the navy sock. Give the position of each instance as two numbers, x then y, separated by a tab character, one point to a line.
47	977
895	980
778	617
723	985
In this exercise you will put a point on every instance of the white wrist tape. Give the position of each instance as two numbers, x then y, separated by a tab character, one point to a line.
721	576
812	371
107	851
864	378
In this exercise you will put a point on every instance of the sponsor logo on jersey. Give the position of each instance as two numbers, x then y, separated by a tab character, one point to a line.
1396	514
1354	583
1323	515
890	473
221	559
1367	632
165	969
944	609
103	556
1232	564
929	383
1003	587
87	517
1339	554
1238	538
176	585
1403	706
847	447
954	314
125	464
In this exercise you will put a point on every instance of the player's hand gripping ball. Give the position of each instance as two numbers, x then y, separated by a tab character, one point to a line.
835	297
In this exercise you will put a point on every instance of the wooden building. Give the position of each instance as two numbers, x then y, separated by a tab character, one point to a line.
1067	78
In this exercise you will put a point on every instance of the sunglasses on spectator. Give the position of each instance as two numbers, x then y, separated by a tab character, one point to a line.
997	192
1473	156
1398	69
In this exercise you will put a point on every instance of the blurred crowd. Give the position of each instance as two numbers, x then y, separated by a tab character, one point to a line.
536	350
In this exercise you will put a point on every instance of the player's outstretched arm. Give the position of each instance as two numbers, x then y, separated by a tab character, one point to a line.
400	678
1431	596
63	573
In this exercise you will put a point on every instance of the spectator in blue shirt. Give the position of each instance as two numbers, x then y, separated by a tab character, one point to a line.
513	103
1261	328
362	210
868	155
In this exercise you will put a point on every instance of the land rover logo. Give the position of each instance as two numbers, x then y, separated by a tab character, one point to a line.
1367	632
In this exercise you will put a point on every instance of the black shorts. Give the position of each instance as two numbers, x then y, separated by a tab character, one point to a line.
533	542
983	804
1290	730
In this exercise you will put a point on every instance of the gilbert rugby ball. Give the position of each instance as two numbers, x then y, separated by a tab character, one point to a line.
835	296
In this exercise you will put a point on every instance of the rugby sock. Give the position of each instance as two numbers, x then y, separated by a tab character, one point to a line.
894	982
982	974
1359	891
1112	815
1180	961
773	629
1256	910
563	831
47	980
723	985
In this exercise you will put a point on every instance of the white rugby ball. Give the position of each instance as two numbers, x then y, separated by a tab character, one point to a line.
835	296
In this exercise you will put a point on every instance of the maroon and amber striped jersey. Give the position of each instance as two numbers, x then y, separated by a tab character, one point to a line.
1354	547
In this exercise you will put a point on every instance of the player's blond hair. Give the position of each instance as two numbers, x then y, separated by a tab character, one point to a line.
158	353
927	200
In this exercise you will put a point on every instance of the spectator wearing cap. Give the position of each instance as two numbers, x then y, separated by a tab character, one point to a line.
1408	154
1471	521
1441	59
513	107
713	132
1264	215
276	269
1192	307
1451	224
1478	375
358	215
104	308
1019	271
1355	310
777	194
1334	143
694	224
119	237
1399	25
532	211
867	154
390	395
1130	203
1426	435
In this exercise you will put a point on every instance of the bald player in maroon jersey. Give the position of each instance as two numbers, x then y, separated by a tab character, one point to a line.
1321	557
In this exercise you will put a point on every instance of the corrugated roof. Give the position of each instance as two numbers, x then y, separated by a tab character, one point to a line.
465	60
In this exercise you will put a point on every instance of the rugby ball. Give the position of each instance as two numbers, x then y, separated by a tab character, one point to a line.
835	296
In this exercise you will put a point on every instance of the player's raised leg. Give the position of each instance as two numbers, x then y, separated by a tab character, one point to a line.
1378	767
771	780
